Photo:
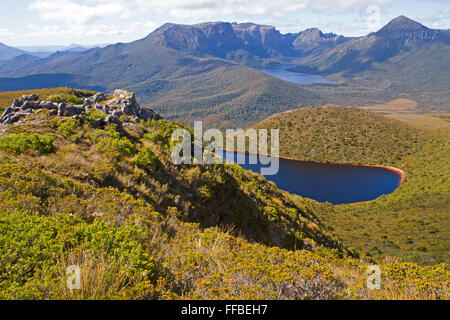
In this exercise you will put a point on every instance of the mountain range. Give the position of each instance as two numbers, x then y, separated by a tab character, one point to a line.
7	52
207	71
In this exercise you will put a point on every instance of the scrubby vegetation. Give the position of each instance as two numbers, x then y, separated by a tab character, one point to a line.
22	142
413	221
111	202
54	94
342	135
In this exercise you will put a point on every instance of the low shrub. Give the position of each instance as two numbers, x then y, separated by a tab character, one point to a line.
146	159
68	127
22	142
35	252
115	147
68	98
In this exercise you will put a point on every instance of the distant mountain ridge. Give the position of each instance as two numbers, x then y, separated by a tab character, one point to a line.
401	35
242	42
7	52
202	71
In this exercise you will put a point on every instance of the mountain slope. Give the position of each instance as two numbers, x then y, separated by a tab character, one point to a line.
201	71
399	36
404	57
167	80
412	222
7	52
111	202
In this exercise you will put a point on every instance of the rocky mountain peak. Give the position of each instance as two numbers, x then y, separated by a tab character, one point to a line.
410	31
403	23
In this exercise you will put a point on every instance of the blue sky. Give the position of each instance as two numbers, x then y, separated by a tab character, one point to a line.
62	22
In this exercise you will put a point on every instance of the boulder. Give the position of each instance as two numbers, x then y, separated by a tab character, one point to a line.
61	109
17	102
114	101
113	119
7	112
126	95
31	97
88	101
105	109
48	105
99	97
15	117
116	113
70	110
146	114
128	108
28	104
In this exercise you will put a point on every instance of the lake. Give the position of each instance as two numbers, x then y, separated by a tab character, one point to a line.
294	77
334	183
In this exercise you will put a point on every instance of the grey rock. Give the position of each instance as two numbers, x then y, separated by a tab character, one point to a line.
128	108
146	114
53	112
7	112
116	113
112	119
114	101
17	102
88	101
129	125
16	117
99	97
73	110
48	105
31	97
126	95
61	109
105	109
27	105
98	106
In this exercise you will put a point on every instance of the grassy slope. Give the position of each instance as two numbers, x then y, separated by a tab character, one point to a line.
413	221
127	224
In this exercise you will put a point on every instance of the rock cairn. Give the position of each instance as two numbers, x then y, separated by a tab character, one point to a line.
121	102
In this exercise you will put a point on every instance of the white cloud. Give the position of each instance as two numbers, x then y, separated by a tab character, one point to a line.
215	9
78	12
6	34
85	34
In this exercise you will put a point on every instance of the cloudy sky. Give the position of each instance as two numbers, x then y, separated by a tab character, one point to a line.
62	22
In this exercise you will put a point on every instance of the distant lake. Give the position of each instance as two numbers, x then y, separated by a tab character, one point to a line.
294	77
334	183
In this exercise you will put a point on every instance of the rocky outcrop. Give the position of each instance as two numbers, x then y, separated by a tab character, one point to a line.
119	103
